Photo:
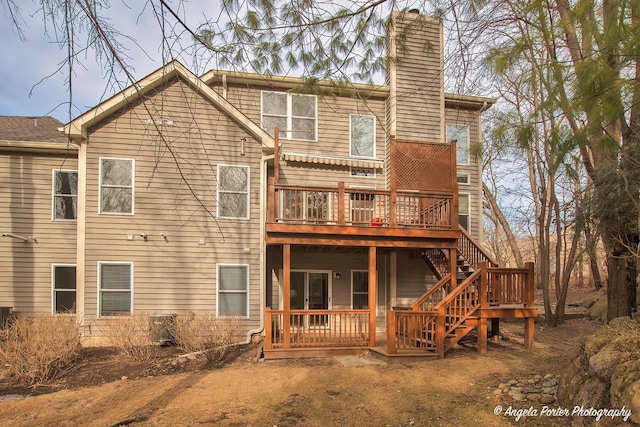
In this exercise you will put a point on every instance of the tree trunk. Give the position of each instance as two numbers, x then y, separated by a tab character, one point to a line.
621	289
504	224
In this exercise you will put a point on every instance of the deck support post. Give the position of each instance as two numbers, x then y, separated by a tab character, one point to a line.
286	295
372	296
453	267
482	335
529	327
391	332
268	329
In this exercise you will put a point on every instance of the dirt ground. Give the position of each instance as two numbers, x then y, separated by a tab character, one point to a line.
107	389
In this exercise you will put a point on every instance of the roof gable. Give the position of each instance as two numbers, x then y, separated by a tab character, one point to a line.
34	129
77	128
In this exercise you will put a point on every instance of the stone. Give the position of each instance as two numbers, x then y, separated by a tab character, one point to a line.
519	397
549	390
497	391
534	397
547	399
548	376
604	361
550	383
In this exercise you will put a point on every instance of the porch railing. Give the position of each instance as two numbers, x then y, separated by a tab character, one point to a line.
360	207
316	328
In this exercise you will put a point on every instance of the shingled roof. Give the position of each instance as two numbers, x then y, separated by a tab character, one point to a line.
36	129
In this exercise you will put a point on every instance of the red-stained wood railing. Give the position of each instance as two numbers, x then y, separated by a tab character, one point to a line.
472	252
508	286
318	328
360	207
433	296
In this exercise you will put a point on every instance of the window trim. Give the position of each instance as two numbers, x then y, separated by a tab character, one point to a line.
468	195
373	156
133	186
54	289
99	299
468	146
54	195
248	192
288	132
219	291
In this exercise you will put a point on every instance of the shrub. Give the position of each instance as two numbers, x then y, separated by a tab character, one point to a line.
130	335
206	335
40	348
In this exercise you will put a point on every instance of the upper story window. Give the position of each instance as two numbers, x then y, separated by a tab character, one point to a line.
362	136
65	195
233	191
295	115
116	185
460	133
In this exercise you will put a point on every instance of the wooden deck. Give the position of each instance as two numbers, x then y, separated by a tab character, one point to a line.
431	326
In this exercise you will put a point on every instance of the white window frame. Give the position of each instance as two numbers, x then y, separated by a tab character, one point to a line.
100	290
289	132
54	195
373	119
467	178
248	192
133	185
54	289
245	292
468	195
459	146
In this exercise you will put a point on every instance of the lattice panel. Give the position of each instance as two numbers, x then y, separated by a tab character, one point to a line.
424	166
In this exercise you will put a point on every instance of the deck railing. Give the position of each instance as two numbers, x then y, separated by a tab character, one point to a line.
317	328
436	293
360	207
510	286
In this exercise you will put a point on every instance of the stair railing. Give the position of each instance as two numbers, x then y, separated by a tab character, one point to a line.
431	298
472	252
458	306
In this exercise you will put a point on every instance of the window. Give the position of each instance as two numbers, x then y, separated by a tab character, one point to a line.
360	289
463	210
233	191
233	290
460	134
362	172
363	136
65	195
463	178
115	288
116	186
294	114
64	288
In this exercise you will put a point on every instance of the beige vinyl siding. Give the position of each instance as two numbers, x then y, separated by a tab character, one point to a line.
414	278
26	210
176	274
333	138
418	74
469	118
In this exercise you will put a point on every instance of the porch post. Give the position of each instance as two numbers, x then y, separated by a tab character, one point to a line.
482	321
286	295
393	217
453	267
372	296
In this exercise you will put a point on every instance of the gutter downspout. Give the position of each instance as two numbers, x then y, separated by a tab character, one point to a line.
263	248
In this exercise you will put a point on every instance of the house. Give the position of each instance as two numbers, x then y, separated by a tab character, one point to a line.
318	215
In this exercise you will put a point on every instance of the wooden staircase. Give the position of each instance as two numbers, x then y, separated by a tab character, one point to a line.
461	302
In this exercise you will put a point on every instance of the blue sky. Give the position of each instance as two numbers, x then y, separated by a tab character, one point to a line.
30	83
